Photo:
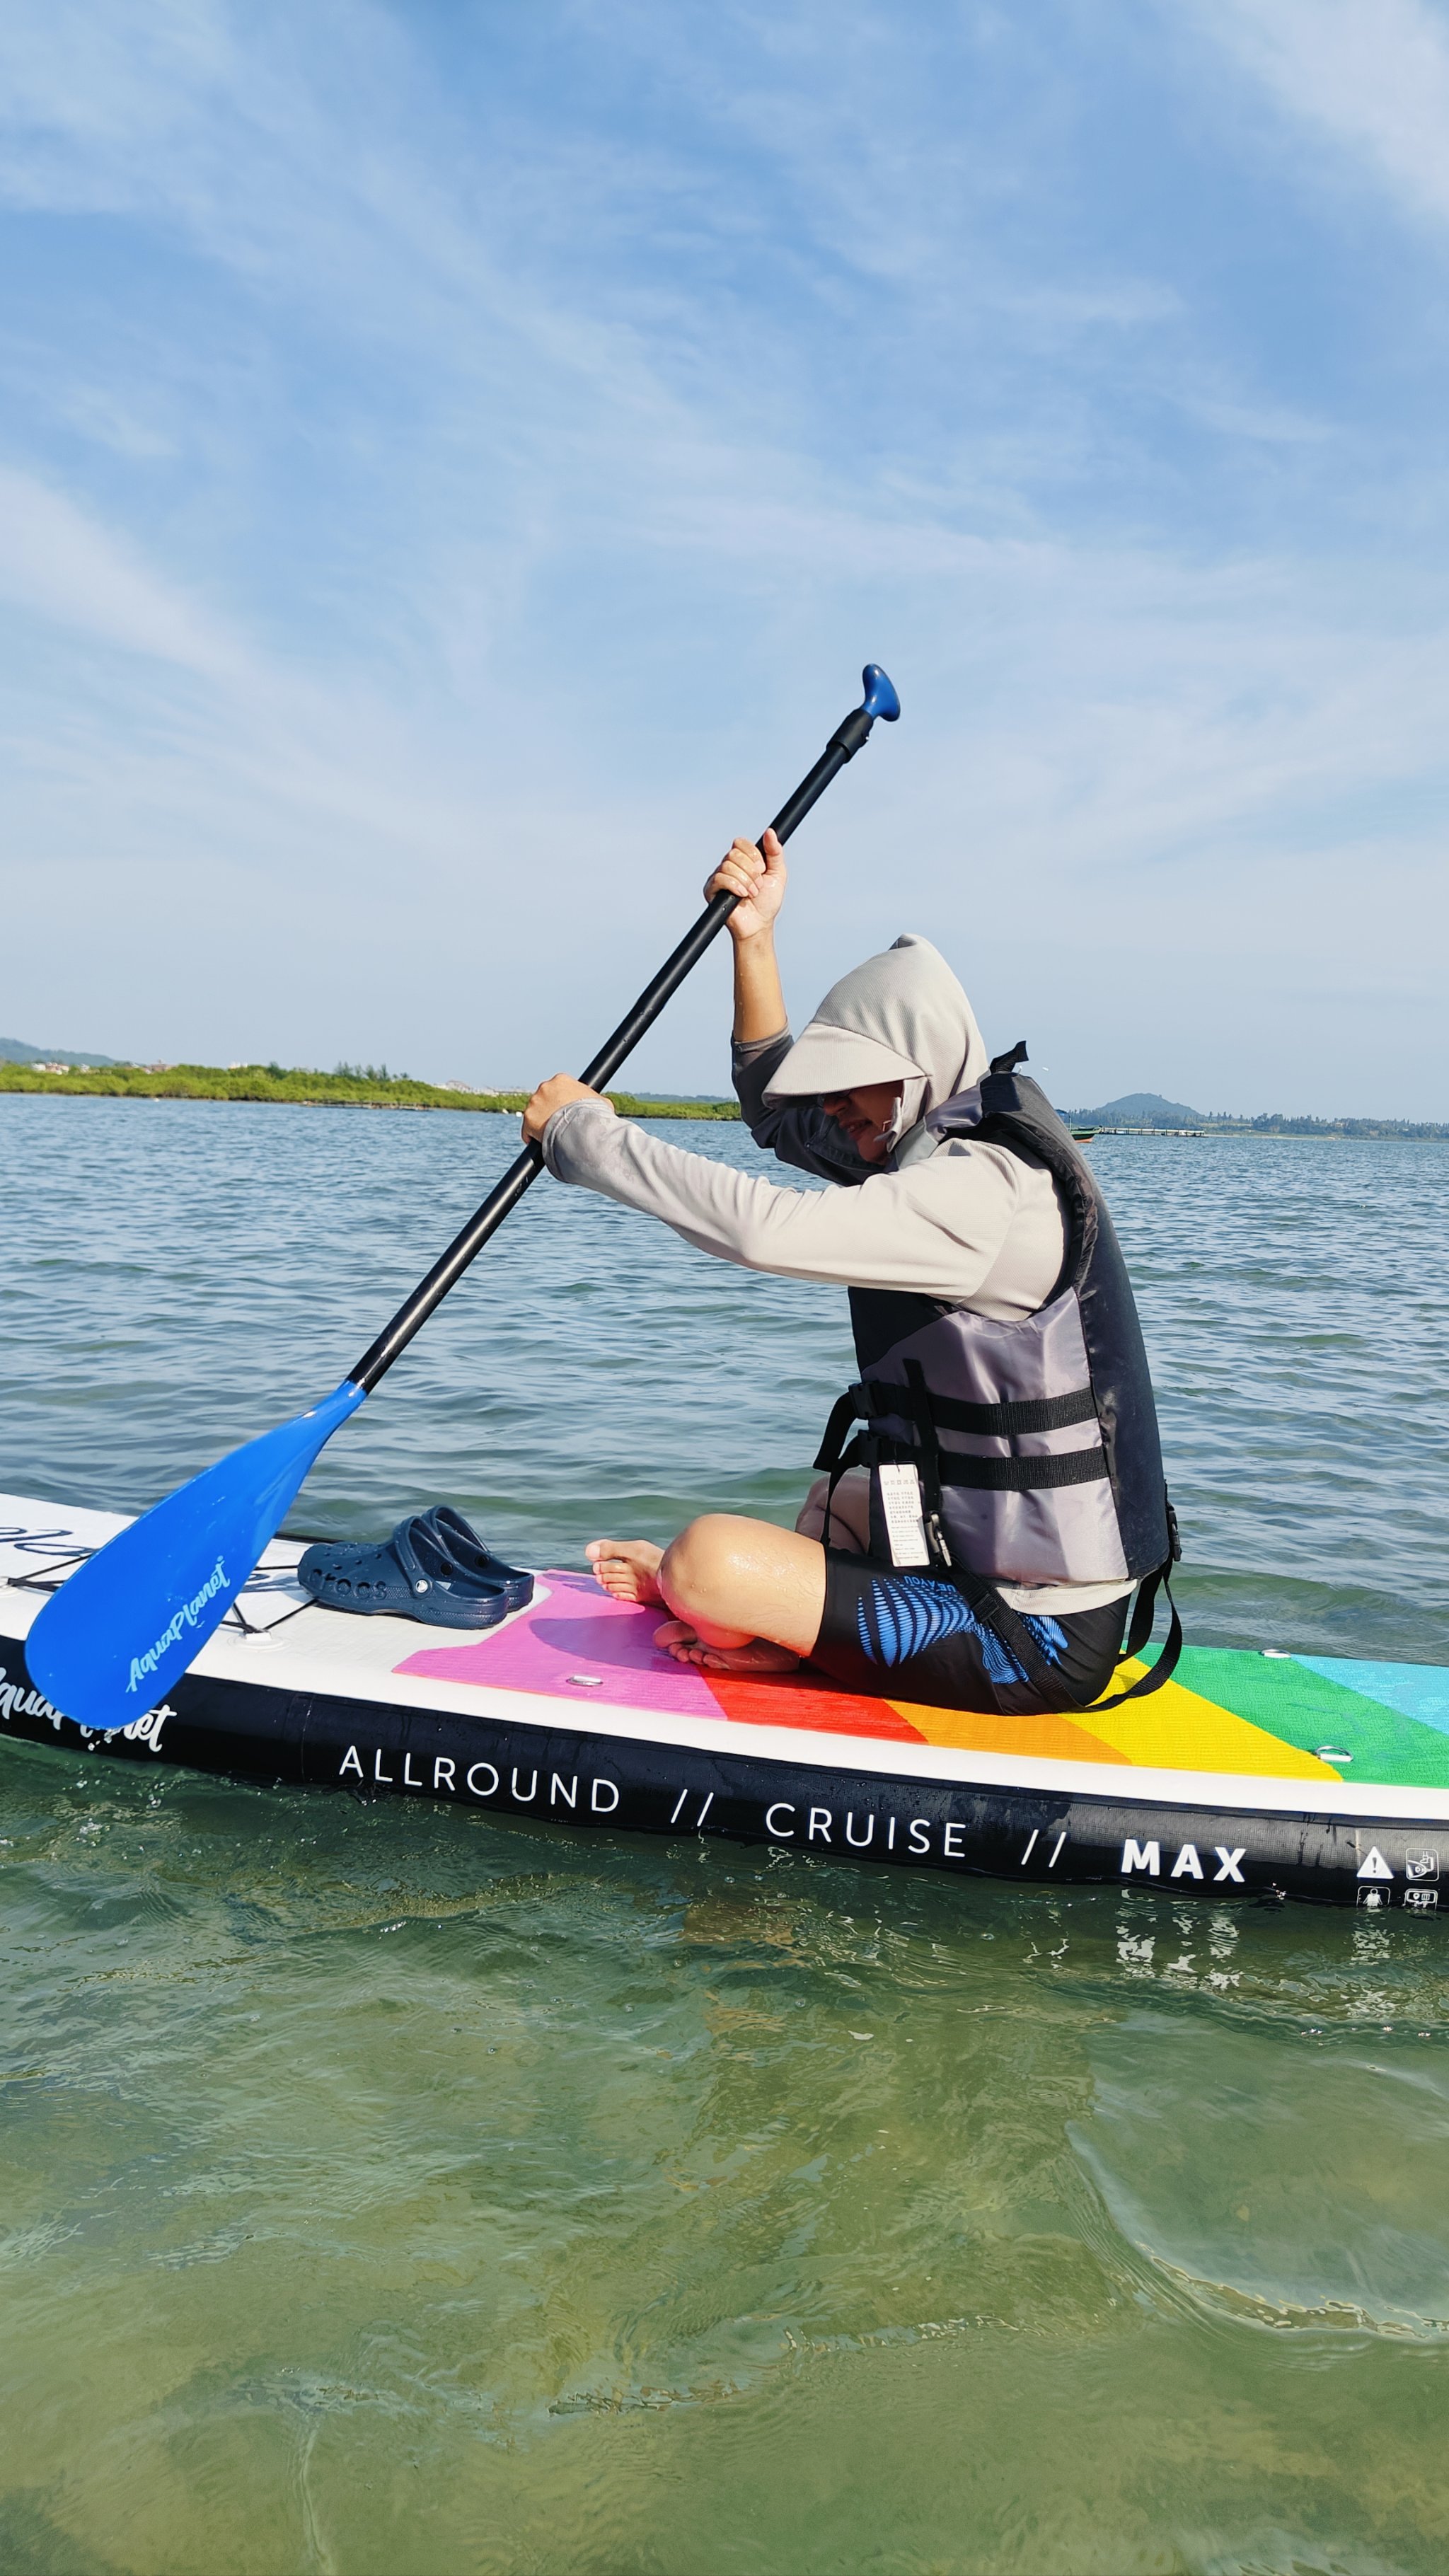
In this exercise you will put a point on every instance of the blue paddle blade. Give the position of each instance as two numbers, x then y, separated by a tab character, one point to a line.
121	1631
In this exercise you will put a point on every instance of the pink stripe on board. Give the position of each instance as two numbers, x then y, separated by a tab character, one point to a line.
577	1630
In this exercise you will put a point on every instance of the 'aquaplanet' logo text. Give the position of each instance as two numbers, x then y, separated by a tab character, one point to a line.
143	1666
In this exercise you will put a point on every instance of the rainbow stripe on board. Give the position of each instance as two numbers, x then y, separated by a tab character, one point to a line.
1276	1717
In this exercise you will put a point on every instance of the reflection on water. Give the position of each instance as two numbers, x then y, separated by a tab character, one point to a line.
391	2193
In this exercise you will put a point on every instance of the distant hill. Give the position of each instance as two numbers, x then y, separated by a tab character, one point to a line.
1148	1109
15	1051
1137	1109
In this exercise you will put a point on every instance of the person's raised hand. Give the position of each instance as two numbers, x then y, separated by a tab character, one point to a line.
556	1093
757	876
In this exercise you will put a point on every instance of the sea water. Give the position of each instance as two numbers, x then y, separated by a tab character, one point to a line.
388	2192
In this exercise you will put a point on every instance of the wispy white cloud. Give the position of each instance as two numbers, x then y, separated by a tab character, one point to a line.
1372	74
58	562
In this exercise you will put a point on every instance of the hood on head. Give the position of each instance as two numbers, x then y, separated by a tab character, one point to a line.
901	1017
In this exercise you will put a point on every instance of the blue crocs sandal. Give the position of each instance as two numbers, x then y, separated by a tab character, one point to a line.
409	1576
476	1557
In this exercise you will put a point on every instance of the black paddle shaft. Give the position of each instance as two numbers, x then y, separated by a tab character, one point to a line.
843	745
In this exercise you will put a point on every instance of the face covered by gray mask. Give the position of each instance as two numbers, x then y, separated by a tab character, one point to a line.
900	1017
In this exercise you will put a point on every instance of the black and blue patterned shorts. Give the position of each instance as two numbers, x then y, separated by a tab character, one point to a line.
907	1636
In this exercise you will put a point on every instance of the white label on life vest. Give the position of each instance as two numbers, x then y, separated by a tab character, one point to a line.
900	1493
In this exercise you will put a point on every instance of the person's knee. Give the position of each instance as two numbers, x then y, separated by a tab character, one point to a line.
703	1564
840	1520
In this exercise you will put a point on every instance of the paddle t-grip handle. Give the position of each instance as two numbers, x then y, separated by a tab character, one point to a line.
880	701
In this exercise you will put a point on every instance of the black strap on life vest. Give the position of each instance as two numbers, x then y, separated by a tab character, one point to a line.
876	1401
1023	1475
930	1414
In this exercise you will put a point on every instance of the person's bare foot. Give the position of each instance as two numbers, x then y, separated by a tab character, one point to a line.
757	1655
626	1568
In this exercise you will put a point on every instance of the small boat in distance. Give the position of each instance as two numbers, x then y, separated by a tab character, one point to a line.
1083	1135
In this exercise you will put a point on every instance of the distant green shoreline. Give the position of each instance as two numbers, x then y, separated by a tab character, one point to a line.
297	1087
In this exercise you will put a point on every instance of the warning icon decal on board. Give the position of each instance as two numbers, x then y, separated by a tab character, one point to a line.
1375	1866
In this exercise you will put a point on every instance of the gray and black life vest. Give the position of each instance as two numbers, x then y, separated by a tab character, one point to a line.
1031	1448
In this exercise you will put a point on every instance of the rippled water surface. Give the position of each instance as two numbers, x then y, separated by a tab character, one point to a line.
389	2192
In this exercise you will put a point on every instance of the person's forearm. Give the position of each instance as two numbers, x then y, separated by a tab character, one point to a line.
759	995
898	1240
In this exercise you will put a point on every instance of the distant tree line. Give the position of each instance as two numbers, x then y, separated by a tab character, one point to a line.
348	1086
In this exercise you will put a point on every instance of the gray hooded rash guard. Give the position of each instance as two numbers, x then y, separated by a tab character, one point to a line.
950	1218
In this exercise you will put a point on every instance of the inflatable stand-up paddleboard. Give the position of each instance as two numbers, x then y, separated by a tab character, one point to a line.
1247	1774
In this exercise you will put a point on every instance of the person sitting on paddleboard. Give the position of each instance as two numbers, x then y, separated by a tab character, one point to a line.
975	1546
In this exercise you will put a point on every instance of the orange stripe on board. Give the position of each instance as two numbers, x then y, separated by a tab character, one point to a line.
748	1702
1047	1739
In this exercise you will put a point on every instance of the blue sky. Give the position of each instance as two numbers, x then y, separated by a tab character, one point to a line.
454	460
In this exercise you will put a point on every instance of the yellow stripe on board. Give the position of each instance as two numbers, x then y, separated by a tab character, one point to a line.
1176	1729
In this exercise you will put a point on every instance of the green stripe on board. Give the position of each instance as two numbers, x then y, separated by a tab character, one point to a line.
1305	1709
